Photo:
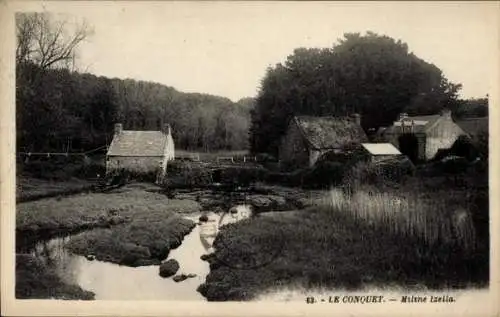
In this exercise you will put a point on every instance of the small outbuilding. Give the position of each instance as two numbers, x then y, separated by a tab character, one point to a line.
377	152
141	151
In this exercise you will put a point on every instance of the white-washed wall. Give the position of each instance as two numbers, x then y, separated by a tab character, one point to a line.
134	163
442	136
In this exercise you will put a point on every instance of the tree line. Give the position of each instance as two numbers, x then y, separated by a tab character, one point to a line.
59	106
61	109
373	75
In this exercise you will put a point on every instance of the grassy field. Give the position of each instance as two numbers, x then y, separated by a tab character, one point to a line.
420	236
146	240
30	188
132	219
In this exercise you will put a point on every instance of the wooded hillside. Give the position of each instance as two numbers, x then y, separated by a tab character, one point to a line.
56	105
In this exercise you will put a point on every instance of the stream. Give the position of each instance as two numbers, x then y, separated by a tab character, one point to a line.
110	281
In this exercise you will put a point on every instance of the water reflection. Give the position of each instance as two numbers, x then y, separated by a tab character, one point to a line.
209	227
113	282
53	254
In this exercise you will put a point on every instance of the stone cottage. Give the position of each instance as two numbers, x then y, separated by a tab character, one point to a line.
377	152
308	137
421	137
140	151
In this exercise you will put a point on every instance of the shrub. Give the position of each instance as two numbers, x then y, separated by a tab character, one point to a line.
388	172
272	166
286	178
242	175
463	147
61	167
449	165
187	174
351	157
482	140
265	157
323	175
91	170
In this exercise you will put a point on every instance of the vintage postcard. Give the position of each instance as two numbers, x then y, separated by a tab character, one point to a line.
249	158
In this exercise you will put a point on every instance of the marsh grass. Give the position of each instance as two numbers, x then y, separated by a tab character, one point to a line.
427	233
134	225
431	220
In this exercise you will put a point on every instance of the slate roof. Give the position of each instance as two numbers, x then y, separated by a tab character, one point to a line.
381	148
474	126
330	132
420	124
138	143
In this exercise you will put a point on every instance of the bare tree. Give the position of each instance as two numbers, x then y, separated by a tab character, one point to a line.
46	41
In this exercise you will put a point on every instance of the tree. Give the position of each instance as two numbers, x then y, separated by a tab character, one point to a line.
470	108
370	74
57	106
45	41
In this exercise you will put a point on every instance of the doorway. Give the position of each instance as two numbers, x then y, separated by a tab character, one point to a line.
408	145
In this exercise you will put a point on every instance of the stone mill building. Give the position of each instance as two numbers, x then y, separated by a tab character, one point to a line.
140	151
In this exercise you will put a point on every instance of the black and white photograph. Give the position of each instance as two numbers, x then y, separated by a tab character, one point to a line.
321	153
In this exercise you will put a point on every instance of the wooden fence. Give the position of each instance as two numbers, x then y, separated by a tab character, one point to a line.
233	159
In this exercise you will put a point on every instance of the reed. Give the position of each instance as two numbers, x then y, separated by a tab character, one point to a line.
430	220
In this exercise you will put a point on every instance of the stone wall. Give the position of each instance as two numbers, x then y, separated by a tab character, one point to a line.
134	164
442	136
381	158
293	148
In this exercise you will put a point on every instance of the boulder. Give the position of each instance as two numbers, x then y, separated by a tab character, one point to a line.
182	277
207	257
262	203
169	268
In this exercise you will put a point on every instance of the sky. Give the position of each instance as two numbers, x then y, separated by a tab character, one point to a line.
224	48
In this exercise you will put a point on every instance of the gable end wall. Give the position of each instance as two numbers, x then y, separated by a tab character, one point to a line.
293	148
142	164
441	136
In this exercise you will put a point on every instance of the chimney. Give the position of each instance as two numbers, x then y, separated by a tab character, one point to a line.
118	128
446	113
357	118
402	116
166	129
